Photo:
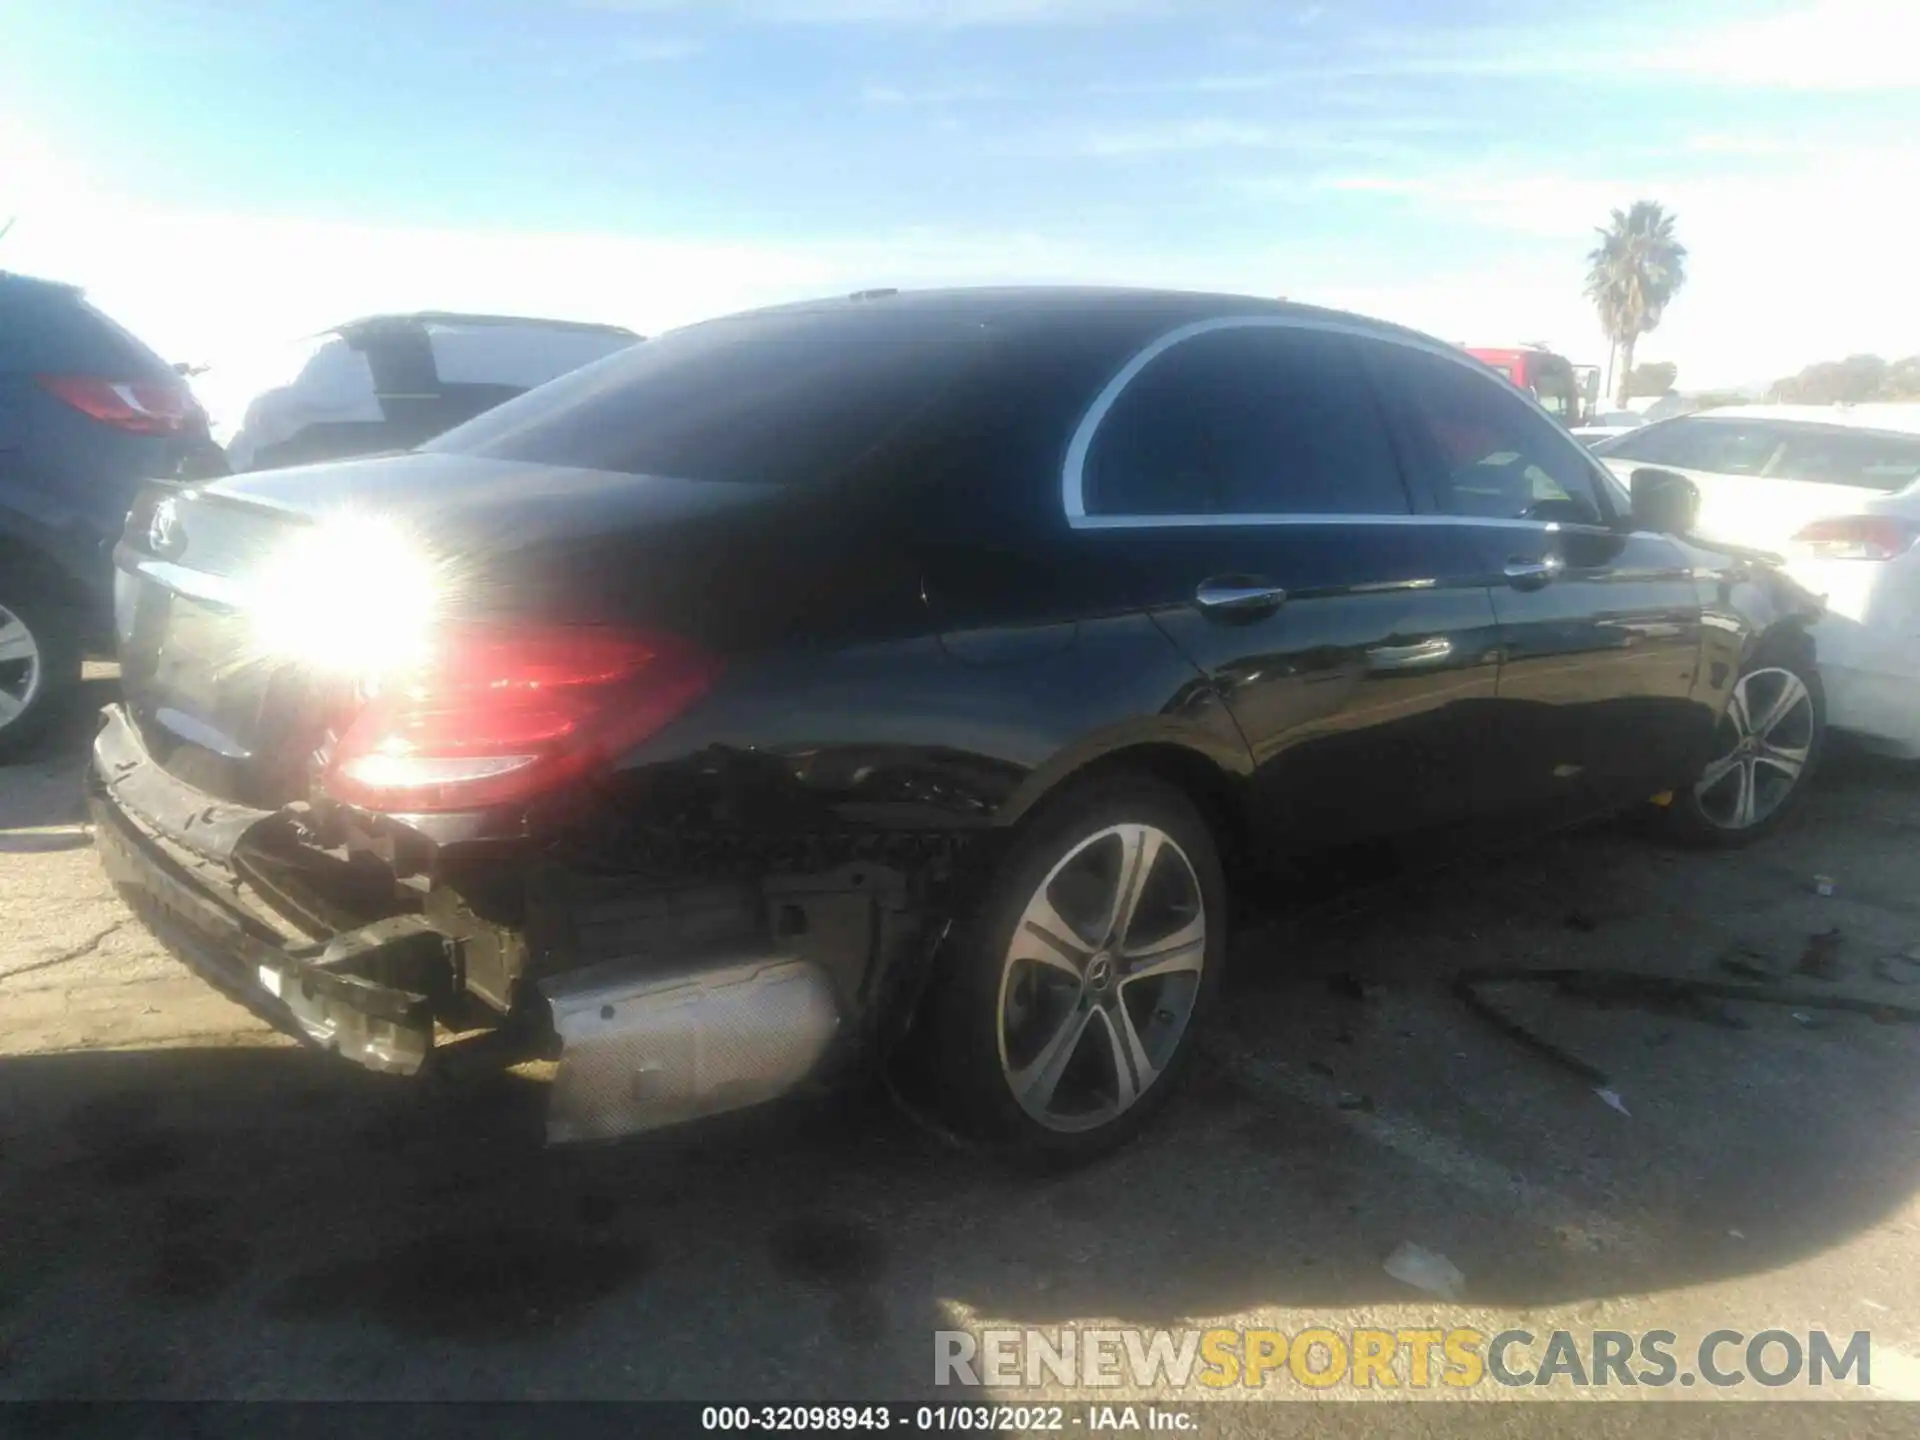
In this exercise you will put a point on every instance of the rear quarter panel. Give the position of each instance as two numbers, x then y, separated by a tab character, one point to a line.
898	739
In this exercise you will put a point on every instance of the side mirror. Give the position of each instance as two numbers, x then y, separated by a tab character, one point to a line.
1663	502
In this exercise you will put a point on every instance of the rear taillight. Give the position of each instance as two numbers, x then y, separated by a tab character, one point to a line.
139	407
1858	537
501	716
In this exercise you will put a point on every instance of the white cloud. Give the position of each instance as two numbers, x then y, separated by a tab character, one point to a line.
659	50
1831	45
1175	137
620	55
932	96
1756	145
1817	45
1247	83
942	14
1405	137
1814	45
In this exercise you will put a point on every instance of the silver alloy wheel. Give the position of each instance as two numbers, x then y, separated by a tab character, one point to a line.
20	668
1101	977
1769	732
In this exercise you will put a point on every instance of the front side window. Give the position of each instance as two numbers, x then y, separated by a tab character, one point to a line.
1485	452
1245	420
1724	447
1660	444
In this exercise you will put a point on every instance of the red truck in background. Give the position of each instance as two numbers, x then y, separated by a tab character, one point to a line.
1551	379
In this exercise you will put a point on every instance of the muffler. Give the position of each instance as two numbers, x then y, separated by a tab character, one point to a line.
640	1049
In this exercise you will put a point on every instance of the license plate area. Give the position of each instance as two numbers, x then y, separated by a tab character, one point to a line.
212	705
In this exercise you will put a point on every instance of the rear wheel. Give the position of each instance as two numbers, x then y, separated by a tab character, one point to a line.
39	666
1770	737
1068	1015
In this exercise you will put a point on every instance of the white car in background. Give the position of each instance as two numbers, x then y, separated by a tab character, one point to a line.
1606	424
390	382
1836	491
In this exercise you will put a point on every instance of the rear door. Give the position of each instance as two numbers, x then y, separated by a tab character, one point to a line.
1599	625
1242	472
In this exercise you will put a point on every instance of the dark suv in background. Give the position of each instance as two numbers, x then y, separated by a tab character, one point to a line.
87	413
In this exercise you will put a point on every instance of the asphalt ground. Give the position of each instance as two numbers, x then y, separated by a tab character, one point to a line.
194	1207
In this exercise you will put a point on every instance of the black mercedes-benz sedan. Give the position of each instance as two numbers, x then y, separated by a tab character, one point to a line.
918	672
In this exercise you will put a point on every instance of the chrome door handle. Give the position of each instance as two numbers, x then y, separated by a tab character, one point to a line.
1239	595
1408	657
1532	574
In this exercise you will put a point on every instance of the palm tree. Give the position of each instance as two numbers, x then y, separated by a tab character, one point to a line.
1632	274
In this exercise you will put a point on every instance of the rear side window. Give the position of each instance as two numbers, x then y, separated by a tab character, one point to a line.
50	329
1647	445
1725	447
1248	420
1483	449
1833	456
789	398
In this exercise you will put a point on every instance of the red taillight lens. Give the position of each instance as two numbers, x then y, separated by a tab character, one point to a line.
502	716
140	407
1858	537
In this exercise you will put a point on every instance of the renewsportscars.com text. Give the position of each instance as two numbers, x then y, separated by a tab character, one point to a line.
1457	1358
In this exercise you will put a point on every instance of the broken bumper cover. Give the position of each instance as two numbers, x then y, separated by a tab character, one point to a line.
644	1042
169	847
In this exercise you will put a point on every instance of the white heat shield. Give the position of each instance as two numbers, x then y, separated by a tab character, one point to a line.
640	1050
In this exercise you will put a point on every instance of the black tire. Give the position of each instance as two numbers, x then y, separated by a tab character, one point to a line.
1701	821
964	1011
55	632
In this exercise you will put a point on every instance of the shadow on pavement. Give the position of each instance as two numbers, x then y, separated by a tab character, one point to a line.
263	1221
204	1222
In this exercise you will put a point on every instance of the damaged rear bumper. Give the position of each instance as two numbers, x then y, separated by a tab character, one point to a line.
170	848
641	1041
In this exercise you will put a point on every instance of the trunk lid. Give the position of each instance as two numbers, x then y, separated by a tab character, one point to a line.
462	504
211	582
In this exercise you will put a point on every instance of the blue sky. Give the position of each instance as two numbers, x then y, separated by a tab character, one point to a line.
222	175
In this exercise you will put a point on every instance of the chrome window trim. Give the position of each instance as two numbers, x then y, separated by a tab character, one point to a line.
1073	471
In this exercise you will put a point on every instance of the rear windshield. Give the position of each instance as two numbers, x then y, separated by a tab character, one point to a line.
51	329
781	398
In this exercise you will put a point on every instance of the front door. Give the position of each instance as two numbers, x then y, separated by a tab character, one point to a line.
1245	479
1600	629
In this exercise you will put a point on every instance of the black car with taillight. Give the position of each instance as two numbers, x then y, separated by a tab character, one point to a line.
909	674
87	414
